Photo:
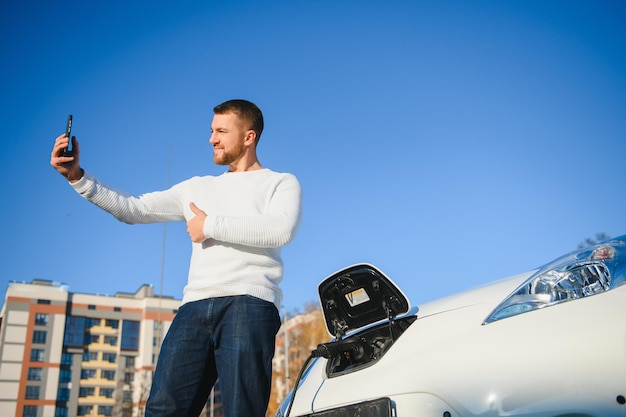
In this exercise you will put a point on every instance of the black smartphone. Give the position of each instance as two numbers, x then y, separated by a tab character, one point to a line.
68	131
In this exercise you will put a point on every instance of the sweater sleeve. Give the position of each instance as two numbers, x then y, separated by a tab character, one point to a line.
272	229
155	207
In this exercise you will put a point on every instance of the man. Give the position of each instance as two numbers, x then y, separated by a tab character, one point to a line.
237	221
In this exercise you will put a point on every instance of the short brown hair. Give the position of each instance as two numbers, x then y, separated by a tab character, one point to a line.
246	110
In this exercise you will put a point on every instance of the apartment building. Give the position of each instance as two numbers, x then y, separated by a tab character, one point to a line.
65	354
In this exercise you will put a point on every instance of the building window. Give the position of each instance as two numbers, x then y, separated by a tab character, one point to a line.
60	412
114	324
87	373
106	392
106	410
118	309
86	392
74	332
84	410
110	340
34	374
65	375
91	307
40	301
91	338
130	361
36	355
67	358
129	377
90	356
127	397
63	394
32	392
130	335
109	375
41	319
91	322
30	411
109	357
39	336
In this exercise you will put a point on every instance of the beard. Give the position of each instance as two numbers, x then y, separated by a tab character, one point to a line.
228	156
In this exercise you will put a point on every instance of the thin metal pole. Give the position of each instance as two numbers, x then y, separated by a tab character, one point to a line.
286	337
160	322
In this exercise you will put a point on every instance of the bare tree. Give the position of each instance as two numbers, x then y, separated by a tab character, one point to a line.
305	332
600	237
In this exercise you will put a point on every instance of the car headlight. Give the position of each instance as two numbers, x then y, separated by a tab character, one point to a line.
577	275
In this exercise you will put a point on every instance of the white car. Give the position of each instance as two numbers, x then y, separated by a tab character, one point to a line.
549	342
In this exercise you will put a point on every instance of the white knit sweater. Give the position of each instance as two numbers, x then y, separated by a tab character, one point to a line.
251	215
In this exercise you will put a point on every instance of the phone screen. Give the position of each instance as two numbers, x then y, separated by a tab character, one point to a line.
68	132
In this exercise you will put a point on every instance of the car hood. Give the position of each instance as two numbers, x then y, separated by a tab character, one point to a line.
489	295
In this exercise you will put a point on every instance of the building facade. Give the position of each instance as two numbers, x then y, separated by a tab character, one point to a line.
65	354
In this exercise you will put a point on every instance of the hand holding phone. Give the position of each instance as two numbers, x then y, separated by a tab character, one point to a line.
68	132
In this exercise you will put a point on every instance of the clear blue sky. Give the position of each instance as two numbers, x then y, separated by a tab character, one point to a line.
450	143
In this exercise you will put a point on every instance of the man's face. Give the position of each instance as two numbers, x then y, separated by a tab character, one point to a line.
227	138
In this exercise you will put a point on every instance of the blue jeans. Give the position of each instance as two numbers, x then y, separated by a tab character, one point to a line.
232	338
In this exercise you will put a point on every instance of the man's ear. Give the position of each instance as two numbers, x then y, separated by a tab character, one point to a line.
250	138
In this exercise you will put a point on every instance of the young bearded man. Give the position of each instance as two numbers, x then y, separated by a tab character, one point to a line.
237	221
